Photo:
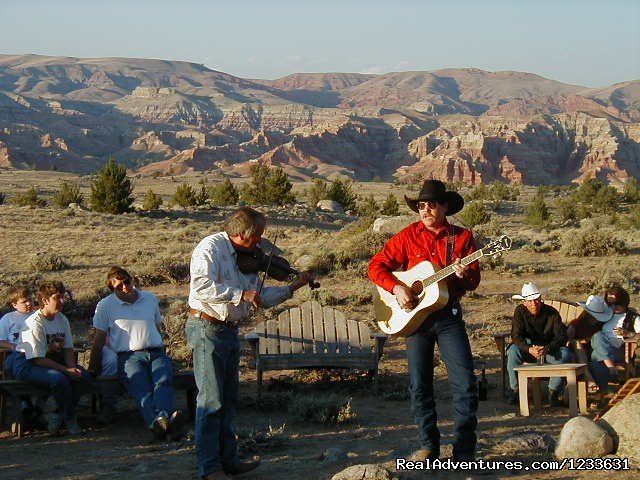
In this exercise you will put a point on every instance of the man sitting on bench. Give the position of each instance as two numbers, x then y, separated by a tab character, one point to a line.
538	335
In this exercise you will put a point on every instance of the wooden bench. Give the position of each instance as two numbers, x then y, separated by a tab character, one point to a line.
568	312
15	389
313	336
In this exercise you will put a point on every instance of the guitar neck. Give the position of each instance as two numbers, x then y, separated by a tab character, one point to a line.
445	272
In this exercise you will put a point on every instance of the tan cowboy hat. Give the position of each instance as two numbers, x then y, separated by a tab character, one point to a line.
530	291
597	308
435	191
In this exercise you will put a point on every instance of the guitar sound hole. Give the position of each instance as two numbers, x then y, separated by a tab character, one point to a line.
416	288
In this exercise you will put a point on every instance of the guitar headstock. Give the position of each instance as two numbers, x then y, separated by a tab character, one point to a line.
497	246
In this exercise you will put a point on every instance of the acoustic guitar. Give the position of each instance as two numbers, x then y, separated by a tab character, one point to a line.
428	285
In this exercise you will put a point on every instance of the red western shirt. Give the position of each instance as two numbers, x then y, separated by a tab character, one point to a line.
416	244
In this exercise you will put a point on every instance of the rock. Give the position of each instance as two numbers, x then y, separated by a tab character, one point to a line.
361	472
392	224
581	437
622	423
527	442
330	206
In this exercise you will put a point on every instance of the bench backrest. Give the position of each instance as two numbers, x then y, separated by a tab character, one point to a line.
313	329
568	311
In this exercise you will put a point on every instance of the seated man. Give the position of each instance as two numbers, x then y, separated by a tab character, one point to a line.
538	335
130	318
607	345
48	357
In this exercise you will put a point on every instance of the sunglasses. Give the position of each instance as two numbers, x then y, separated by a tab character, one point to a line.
124	282
425	205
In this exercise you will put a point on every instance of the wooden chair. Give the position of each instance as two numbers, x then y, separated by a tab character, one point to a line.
313	336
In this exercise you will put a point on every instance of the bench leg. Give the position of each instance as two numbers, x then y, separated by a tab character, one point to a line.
537	394
582	396
524	394
259	383
573	393
500	343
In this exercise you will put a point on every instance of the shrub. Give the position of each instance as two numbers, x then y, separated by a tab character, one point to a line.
537	214
111	190
635	216
29	199
567	209
390	205
224	193
68	193
342	192
47	262
592	243
152	201
185	196
268	186
631	190
475	214
322	409
171	270
368	207
316	192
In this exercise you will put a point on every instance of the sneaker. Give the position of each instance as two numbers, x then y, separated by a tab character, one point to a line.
554	399
160	427
54	422
72	426
177	425
512	397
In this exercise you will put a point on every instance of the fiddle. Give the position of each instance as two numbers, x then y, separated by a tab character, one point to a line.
274	266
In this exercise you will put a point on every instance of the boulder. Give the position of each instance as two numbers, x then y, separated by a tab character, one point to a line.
363	472
622	422
392	224
581	437
330	206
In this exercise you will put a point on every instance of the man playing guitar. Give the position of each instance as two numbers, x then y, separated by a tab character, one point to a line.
434	239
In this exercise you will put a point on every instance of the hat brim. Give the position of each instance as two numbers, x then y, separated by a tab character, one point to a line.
533	296
454	200
602	317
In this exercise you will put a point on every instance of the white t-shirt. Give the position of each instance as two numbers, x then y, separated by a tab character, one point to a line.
12	324
616	322
40	331
130	326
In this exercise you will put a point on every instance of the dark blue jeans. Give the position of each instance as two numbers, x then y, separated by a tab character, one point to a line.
448	331
216	364
65	390
148	378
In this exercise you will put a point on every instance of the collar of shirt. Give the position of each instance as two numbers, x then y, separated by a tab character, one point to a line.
443	231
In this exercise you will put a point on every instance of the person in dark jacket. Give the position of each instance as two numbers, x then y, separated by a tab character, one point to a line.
538	336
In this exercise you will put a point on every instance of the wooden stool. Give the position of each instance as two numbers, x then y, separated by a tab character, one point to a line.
576	385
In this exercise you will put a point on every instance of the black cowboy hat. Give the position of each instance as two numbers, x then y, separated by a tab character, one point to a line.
435	191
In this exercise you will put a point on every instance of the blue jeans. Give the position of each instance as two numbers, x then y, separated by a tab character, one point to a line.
148	378
448	330
602	350
216	365
65	390
516	357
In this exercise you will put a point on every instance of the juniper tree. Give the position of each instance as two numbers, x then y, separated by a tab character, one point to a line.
152	200
390	205
111	190
224	193
68	193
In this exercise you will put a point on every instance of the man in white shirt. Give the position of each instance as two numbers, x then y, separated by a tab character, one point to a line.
220	296
130	318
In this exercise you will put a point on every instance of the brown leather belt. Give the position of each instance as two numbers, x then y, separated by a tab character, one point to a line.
204	316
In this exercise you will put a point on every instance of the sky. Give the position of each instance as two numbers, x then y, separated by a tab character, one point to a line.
593	43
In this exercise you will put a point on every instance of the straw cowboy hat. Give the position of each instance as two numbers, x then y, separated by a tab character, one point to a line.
530	291
435	191
597	308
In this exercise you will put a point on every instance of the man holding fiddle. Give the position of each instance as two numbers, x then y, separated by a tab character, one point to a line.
220	297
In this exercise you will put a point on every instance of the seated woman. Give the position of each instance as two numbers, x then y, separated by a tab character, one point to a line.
47	358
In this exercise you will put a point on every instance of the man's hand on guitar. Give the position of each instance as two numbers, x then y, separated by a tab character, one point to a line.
405	297
459	268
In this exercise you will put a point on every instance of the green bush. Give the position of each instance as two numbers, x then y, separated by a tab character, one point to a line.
268	186
474	214
152	201
537	214
224	193
341	191
316	192
390	205
47	262
368	208
111	190
68	193
632	190
635	216
29	199
592	243
185	196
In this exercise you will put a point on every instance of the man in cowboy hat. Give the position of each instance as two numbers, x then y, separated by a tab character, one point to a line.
538	335
619	322
434	239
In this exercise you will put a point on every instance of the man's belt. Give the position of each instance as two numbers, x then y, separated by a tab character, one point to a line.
204	316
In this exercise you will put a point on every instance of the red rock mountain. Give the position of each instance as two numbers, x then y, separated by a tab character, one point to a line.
455	124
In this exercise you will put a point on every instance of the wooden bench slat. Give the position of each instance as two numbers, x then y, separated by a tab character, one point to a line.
271	339
318	328
284	332
307	327
330	330
354	336
297	340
